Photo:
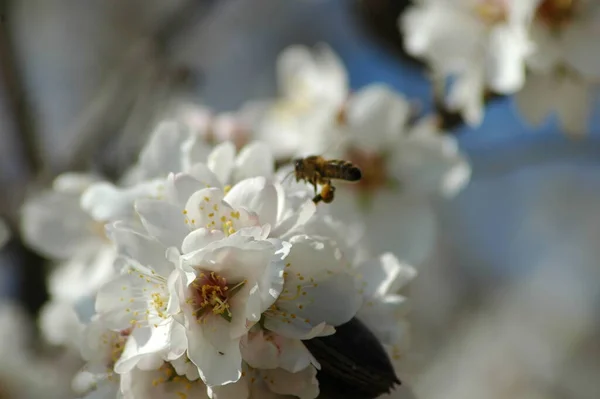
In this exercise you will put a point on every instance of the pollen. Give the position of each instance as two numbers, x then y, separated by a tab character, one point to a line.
210	292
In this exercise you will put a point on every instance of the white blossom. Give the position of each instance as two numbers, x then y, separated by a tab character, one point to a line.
384	310
482	44
565	68
313	85
402	167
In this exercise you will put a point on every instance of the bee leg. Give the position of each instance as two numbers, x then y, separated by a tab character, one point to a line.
328	194
317	198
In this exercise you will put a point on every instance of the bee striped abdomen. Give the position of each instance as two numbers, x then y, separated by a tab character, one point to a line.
342	170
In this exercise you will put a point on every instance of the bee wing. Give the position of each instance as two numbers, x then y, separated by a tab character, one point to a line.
336	147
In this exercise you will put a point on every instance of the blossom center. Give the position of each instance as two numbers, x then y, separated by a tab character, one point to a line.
178	384
98	229
210	292
373	166
116	344
556	13
491	12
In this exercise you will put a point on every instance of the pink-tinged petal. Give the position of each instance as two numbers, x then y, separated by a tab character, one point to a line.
145	250
216	355
256	195
255	159
221	161
163	221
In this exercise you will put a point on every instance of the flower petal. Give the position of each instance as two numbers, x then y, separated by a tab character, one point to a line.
163	221
143	342
105	202
194	150
384	275
162	153
376	115
295	220
216	355
256	195
302	384
255	159
55	225
221	161
140	247
200	238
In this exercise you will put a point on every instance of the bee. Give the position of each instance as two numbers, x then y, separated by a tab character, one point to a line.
317	170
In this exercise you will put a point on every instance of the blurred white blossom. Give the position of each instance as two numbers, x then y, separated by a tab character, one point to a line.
481	44
544	51
404	166
24	372
313	86
565	68
220	277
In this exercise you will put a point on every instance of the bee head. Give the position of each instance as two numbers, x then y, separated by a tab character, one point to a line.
298	164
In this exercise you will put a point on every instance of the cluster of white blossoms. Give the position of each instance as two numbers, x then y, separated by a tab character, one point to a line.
205	270
544	51
406	163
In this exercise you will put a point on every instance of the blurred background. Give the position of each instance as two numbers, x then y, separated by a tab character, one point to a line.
507	306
